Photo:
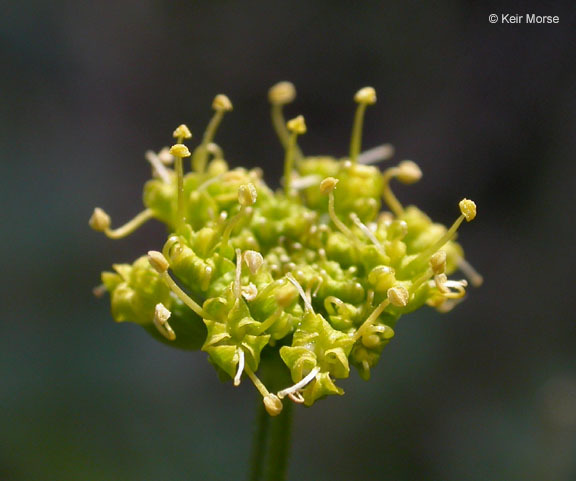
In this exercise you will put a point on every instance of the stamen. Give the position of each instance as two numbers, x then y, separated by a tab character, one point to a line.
100	222
272	404
179	151
406	172
279	95
468	210
161	316
327	186
300	384
376	154
364	97
221	105
158	168
247	196
307	304
240	370
472	274
160	264
371	319
296	126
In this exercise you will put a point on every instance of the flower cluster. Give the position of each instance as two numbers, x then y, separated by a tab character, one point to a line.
315	271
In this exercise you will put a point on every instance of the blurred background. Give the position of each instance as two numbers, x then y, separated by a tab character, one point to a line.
487	391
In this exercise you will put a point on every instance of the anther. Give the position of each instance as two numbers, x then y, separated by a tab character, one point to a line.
182	132
161	316
254	260
296	126
364	97
222	103
438	262
247	195
468	209
398	296
180	151
272	404
408	172
158	261
282	93
100	220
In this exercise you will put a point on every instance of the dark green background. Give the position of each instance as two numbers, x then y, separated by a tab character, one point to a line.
487	392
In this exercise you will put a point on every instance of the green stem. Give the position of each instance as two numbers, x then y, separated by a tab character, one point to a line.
271	443
279	445
259	443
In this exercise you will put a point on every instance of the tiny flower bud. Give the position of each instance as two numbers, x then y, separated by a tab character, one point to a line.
180	150
438	262
408	172
328	185
253	260
297	125
222	102
272	404
247	195
468	209
398	296
182	131
366	95
282	93
158	261
100	220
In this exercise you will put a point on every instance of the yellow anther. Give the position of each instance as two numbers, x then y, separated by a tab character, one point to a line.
282	93
468	209
247	195
398	296
254	260
158	261
182	132
100	220
328	185
272	404
366	95
180	151
161	316
408	172
297	125
438	262
222	103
